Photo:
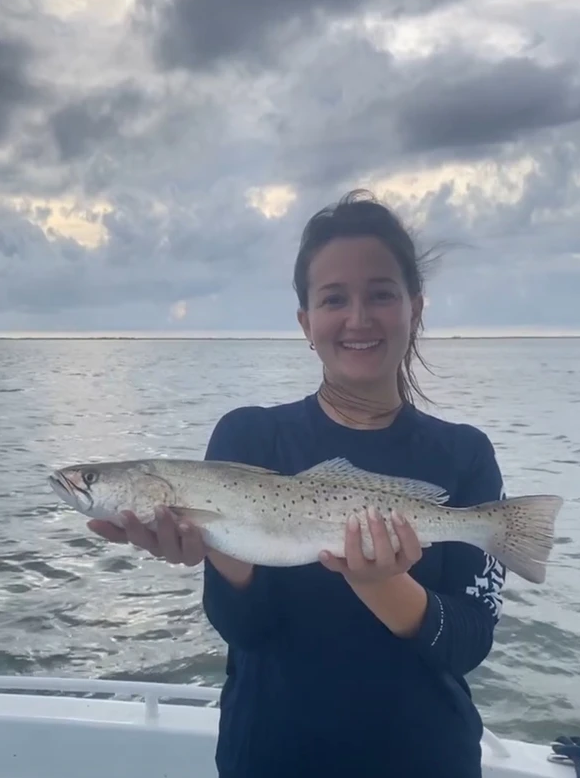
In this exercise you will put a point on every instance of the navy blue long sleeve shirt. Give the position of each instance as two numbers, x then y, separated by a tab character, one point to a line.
316	683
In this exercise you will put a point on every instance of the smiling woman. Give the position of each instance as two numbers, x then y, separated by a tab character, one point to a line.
360	288
352	665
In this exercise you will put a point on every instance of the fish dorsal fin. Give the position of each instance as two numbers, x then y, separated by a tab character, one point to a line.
249	468
342	473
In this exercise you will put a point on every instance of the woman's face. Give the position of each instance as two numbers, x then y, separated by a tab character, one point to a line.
360	315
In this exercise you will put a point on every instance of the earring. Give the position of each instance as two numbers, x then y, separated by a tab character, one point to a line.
312	347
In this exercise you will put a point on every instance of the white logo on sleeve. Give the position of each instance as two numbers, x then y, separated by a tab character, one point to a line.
488	584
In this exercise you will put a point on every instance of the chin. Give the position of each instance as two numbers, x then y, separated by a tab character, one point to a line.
363	378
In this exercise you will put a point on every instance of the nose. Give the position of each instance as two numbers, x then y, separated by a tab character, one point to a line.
358	314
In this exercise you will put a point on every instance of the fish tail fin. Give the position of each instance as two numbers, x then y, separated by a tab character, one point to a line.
525	537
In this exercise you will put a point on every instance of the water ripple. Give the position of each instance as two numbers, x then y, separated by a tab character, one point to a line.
75	605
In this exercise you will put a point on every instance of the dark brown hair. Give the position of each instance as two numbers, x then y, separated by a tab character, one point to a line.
359	213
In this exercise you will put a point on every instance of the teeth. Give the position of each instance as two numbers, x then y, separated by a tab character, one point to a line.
361	346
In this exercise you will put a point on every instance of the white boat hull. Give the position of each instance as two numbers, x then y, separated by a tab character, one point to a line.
44	734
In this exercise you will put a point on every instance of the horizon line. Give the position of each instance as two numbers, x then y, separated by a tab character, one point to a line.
455	333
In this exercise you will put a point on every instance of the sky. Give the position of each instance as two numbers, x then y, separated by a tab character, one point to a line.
160	158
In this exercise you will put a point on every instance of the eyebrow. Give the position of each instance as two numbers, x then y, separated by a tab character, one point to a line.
377	280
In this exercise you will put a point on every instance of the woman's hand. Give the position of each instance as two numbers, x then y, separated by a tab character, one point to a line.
177	543
383	585
357	569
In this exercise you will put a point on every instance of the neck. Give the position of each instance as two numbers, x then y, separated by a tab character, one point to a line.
370	407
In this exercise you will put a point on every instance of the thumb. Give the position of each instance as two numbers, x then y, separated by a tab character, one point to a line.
331	562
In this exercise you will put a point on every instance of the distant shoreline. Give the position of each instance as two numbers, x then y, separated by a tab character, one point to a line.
211	338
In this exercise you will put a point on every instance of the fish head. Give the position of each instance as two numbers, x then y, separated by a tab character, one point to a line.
103	490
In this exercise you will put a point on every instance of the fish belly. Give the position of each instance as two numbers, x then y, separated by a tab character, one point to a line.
252	544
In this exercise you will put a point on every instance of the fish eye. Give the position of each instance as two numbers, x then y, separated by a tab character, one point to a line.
90	477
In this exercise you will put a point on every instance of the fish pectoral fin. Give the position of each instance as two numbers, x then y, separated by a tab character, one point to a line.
196	516
341	472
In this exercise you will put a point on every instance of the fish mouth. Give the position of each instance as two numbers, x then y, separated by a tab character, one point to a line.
71	493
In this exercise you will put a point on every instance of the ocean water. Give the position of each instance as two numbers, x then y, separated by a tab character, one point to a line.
73	605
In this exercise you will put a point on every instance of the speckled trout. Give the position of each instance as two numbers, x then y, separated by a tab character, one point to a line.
262	517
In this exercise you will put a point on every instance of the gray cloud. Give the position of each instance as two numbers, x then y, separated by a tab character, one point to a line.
206	33
452	105
495	102
96	118
150	257
16	88
162	150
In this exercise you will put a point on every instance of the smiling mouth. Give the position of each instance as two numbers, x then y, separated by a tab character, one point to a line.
360	345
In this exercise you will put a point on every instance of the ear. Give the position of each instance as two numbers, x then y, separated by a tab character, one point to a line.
417	306
304	322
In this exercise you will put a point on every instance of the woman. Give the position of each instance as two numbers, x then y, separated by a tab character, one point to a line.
351	667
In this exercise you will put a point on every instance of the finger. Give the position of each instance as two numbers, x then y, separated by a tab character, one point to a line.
168	537
410	547
353	552
384	552
192	545
332	563
139	535
107	531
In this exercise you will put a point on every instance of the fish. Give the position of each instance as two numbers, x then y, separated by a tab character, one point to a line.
263	517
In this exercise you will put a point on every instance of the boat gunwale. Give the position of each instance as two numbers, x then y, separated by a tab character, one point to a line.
157	701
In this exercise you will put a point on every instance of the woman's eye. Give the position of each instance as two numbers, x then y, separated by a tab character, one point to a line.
384	294
333	299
